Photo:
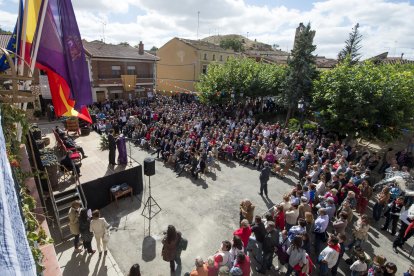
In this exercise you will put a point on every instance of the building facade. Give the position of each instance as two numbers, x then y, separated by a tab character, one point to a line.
183	61
119	71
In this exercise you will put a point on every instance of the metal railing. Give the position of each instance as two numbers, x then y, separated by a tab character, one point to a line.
118	77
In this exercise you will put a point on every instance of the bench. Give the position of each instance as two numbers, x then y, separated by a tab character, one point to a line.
120	193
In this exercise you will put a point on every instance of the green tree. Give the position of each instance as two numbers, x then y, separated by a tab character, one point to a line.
365	100
2	31
245	76
352	46
301	70
232	43
125	43
154	48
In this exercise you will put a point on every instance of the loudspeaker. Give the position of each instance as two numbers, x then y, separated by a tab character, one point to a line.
149	166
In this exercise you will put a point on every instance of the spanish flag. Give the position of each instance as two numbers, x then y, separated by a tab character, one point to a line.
62	57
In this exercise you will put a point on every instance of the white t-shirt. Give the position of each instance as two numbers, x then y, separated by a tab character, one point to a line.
330	255
359	266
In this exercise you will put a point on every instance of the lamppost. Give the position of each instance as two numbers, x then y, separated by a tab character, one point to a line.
301	108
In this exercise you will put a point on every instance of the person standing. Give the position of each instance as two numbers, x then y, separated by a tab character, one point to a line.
393	215
84	227
169	248
297	256
246	210
406	229
99	227
270	242
74	223
264	178
329	256
112	147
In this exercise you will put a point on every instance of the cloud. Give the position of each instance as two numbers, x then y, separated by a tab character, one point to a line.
385	25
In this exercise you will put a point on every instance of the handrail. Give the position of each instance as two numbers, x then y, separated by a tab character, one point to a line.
78	184
52	198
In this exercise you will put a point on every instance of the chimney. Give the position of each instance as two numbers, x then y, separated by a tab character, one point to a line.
141	48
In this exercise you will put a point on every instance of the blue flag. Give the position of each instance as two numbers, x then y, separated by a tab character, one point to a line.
14	40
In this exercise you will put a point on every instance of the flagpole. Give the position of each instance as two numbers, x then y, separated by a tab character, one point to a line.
39	35
24	35
37	42
18	33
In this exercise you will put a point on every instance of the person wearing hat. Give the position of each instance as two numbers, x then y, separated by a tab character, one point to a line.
264	178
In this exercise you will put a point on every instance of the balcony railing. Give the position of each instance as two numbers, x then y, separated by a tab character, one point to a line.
109	77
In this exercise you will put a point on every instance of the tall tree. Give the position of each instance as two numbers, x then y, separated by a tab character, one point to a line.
366	100
301	69
240	75
352	46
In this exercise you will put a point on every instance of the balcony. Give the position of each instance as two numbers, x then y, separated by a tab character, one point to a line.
118	77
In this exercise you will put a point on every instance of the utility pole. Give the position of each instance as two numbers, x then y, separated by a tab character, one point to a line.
198	22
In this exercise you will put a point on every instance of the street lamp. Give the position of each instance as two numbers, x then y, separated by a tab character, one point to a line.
301	108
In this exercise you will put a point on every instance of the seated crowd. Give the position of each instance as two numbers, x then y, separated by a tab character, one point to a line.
323	217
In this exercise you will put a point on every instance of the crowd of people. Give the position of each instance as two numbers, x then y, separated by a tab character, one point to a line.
324	216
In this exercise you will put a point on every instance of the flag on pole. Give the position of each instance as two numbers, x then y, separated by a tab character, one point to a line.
31	20
62	57
14	43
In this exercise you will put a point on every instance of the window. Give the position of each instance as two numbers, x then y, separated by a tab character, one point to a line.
116	71
214	57
204	69
221	58
131	70
205	56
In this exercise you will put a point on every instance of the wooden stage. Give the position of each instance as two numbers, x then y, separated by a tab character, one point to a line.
93	167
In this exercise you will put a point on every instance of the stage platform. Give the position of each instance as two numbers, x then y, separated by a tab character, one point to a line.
95	169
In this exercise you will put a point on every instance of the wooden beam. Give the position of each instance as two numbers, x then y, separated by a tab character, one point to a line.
20	93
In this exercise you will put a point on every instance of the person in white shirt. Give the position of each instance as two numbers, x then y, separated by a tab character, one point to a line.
329	256
99	227
359	266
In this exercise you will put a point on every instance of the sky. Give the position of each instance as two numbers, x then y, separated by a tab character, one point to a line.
386	25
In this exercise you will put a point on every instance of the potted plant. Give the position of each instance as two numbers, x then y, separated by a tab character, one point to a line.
37	133
50	162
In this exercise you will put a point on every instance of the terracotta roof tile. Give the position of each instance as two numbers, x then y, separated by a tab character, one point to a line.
204	45
102	50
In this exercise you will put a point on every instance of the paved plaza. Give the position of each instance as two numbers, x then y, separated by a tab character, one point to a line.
206	212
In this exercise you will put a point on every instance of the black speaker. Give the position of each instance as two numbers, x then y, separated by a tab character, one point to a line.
149	166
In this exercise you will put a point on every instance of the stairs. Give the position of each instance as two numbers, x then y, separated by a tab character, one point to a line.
63	202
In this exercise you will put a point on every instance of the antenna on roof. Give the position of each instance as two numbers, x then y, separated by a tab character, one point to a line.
103	30
198	22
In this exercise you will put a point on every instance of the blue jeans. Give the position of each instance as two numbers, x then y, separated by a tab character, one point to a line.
323	269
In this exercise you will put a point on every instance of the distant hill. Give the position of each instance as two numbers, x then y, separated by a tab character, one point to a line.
247	43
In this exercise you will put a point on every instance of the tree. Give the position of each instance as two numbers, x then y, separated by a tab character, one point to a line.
366	100
245	76
154	48
352	46
124	43
232	43
301	70
2	31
